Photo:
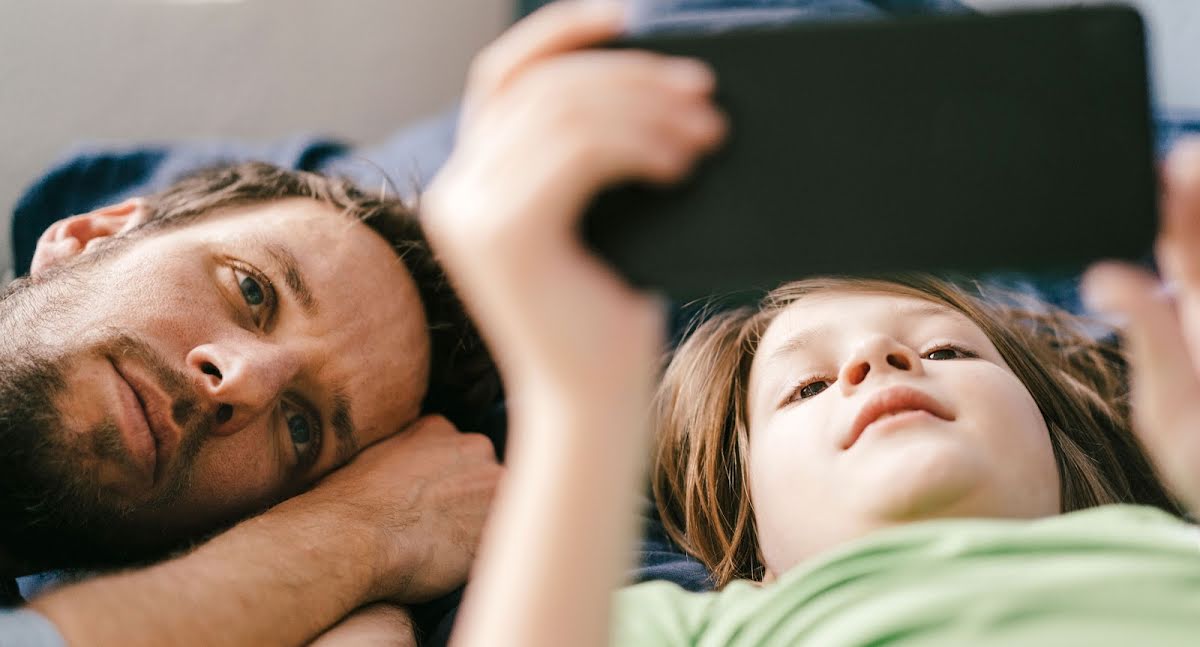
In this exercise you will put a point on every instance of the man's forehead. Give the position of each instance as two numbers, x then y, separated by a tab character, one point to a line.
295	223
287	209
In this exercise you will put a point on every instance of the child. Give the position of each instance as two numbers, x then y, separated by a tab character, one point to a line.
863	407
802	436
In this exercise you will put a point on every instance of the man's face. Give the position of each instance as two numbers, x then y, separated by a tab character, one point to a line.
201	373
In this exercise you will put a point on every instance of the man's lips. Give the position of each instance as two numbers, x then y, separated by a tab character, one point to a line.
155	409
890	401
135	428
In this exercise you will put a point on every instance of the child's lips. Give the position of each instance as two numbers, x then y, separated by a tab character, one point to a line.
891	401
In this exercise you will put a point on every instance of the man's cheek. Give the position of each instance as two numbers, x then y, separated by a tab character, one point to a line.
229	479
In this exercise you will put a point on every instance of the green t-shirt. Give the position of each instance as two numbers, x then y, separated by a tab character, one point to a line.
1116	575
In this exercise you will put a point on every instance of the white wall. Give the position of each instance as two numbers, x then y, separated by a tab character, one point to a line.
140	70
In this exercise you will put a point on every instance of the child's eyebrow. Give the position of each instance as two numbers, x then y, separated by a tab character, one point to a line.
804	338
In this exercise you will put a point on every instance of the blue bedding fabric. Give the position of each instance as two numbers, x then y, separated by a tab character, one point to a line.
91	177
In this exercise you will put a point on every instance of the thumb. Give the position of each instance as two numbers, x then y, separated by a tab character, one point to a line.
1163	381
1162	373
556	28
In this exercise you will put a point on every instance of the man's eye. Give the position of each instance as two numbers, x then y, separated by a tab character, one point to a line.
304	437
258	294
252	291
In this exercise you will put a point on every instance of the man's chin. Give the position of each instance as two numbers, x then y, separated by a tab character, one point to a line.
69	522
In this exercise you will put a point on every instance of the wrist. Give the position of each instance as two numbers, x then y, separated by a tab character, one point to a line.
572	430
336	534
470	212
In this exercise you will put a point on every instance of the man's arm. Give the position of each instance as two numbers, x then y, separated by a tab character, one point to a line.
401	522
276	579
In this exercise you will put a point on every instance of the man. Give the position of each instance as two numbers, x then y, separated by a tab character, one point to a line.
174	364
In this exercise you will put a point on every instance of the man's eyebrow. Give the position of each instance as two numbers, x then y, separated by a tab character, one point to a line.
804	338
343	428
289	268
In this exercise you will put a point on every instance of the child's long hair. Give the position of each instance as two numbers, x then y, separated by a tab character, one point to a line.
1079	384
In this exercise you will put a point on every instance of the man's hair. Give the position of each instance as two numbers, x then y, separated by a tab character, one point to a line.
463	382
701	459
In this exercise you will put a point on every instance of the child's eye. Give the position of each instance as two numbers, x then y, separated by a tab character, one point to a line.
808	389
812	388
949	352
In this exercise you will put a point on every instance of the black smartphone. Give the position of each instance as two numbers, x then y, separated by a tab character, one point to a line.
1019	141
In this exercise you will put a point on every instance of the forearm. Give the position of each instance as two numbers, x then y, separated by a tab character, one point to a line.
576	345
277	579
561	531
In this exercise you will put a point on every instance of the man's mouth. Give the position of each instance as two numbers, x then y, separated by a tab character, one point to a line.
146	422
899	402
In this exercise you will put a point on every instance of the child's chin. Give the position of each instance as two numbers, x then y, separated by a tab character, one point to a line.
922	476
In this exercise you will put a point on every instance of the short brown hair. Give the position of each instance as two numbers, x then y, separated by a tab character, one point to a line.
463	382
1078	382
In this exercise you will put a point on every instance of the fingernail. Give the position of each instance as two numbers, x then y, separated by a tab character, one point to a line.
691	74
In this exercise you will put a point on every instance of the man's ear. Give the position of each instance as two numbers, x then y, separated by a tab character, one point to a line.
72	236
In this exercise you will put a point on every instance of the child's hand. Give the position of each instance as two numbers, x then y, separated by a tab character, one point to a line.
549	123
545	127
1162	330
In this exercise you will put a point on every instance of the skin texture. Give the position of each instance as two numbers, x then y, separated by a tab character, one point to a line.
575	346
376	625
399	522
994	459
1162	329
201	324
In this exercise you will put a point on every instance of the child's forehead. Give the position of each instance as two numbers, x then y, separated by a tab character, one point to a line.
813	315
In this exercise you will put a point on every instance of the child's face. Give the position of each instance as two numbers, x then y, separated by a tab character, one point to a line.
964	438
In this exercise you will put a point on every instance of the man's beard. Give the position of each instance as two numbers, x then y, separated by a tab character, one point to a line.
53	511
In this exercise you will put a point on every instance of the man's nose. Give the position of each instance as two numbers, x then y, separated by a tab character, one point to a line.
241	381
877	355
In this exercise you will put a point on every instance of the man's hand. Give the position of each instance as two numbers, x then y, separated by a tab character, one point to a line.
1162	330
423	494
400	521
